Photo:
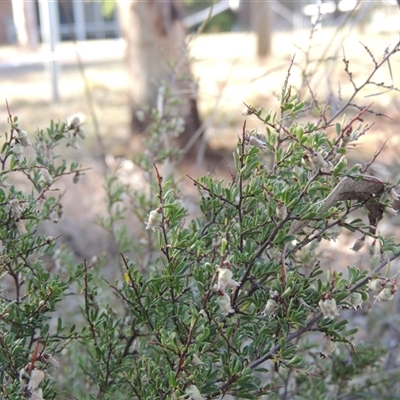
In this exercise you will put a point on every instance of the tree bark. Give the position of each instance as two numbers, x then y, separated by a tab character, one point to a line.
261	19
157	53
25	22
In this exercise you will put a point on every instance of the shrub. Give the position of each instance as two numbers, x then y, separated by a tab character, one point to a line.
236	301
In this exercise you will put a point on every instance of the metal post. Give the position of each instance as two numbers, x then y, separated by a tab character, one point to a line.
79	19
49	26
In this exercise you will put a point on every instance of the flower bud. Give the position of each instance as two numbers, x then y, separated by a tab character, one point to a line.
358	245
345	140
253	141
46	176
50	239
249	110
76	178
281	211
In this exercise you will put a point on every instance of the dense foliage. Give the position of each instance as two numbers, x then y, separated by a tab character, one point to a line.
236	300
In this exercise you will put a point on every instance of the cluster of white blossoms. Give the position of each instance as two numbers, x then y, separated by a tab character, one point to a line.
21	140
225	281
385	287
30	377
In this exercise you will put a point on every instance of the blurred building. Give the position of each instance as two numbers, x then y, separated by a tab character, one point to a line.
20	21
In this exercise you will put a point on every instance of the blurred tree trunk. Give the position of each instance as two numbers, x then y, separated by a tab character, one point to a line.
156	53
261	20
25	23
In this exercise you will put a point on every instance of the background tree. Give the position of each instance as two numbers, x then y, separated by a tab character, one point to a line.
157	55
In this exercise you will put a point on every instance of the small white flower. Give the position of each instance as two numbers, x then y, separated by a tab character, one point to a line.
281	210
17	150
194	393
384	295
224	302
20	226
328	307
74	122
394	196
270	308
358	245
376	284
155	218
46	176
318	160
390	211
373	250
248	110
328	347
23	138
74	142
307	161
257	142
345	140
50	359
355	299
37	376
81	132
15	208
225	279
